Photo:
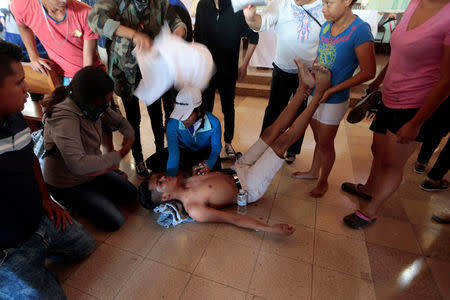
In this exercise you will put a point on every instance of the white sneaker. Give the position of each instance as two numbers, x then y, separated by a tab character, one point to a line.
229	151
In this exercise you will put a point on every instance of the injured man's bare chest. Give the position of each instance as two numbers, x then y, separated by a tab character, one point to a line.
214	189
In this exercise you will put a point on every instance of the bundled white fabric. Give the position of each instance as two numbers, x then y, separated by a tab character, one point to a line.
172	61
156	79
241	4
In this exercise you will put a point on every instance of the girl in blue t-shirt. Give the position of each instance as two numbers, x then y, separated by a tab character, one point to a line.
345	42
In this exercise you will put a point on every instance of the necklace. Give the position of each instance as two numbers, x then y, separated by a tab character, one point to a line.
49	28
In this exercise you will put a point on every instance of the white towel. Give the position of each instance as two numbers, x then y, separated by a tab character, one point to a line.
172	61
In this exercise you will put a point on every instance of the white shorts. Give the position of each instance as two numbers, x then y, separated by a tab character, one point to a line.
256	169
330	113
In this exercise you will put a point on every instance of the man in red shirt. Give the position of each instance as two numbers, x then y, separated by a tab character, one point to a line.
61	26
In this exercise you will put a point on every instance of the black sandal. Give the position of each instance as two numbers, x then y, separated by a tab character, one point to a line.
358	220
354	189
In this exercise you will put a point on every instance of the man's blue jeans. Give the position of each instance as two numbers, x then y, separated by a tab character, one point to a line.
23	274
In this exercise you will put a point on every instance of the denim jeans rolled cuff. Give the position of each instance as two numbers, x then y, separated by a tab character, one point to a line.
23	274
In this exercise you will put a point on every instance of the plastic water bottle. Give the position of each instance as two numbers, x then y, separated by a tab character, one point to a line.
242	199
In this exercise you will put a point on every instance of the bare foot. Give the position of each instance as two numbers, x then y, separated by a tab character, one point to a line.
319	190
323	78
305	175
304	75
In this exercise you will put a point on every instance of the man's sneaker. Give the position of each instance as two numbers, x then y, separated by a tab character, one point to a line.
229	151
419	168
428	186
359	111
141	170
442	216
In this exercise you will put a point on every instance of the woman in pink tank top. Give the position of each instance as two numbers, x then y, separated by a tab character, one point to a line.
415	83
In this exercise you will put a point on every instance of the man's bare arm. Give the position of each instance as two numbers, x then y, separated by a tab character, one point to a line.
253	19
242	72
37	63
208	214
89	51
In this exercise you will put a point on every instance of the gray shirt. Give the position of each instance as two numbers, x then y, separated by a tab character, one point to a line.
73	144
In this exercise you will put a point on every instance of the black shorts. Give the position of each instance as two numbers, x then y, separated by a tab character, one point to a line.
393	119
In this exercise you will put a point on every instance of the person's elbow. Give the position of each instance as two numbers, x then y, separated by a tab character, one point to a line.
368	73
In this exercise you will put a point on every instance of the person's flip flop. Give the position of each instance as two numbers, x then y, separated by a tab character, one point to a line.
358	220
358	112
354	189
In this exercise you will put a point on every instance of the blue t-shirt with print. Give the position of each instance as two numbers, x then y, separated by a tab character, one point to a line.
337	53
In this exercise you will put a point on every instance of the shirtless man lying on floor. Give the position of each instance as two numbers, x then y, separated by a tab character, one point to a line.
203	195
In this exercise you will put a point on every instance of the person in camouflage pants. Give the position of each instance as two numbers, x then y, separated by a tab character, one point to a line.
130	23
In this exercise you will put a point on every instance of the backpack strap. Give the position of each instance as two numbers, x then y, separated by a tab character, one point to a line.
309	14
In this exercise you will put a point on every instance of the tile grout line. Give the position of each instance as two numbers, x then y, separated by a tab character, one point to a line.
185	286
314	255
204	251
154	244
84	292
254	266
220	283
127	280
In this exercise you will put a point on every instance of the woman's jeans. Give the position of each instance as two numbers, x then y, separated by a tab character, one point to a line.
23	274
95	200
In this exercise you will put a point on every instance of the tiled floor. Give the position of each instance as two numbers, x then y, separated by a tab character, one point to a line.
405	255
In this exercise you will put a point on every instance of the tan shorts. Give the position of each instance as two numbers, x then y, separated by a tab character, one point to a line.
256	169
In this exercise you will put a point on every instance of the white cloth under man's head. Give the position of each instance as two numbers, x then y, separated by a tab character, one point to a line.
172	62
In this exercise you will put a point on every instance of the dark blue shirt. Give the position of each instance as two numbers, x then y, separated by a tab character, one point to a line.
20	200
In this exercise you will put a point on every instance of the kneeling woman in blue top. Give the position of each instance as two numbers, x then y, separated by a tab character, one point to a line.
193	137
77	173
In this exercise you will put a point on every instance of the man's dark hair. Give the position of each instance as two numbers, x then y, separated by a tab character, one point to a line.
8	53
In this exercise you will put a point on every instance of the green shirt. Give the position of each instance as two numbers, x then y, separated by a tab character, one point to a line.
106	16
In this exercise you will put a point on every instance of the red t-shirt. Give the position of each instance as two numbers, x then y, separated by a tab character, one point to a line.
68	55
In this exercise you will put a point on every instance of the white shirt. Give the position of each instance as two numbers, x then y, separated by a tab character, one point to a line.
297	33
